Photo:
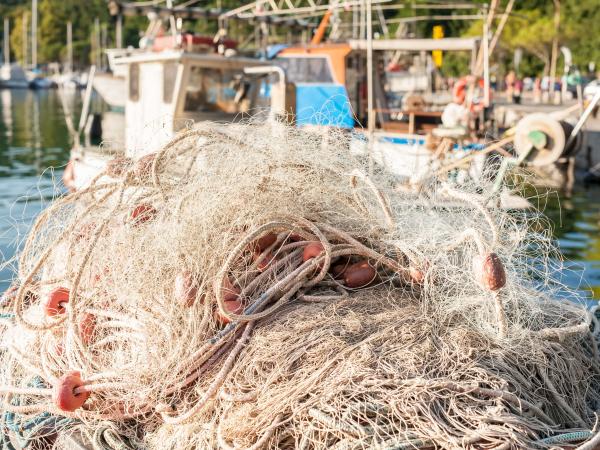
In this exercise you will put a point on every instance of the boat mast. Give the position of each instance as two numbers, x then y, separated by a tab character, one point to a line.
34	33
69	47
370	112
24	38
6	42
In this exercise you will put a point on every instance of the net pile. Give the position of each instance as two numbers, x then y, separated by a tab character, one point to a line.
249	286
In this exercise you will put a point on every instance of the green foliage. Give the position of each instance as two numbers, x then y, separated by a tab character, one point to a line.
530	28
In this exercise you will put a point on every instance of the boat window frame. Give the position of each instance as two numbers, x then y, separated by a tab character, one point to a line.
169	94
326	57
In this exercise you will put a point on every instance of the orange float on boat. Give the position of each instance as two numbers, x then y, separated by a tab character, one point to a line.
64	395
55	301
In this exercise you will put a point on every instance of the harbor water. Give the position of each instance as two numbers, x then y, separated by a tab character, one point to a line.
34	149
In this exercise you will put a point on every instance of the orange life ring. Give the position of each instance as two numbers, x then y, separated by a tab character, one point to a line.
459	93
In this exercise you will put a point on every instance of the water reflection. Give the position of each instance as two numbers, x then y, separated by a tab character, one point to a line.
34	145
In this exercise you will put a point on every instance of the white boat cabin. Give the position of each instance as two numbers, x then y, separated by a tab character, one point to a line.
170	90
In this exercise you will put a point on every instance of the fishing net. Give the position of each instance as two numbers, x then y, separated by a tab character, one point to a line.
249	286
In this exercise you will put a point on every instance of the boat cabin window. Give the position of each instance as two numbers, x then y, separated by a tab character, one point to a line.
169	77
312	69
134	82
217	90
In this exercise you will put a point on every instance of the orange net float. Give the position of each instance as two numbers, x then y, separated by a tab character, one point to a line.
64	395
312	250
359	275
55	301
264	242
186	288
231	306
117	167
143	166
142	213
489	271
86	327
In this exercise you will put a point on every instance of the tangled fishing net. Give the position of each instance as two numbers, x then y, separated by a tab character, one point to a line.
248	286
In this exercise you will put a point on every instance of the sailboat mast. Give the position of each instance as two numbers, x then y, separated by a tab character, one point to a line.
6	42
24	39
69	47
34	33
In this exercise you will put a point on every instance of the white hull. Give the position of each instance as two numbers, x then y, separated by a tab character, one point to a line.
111	89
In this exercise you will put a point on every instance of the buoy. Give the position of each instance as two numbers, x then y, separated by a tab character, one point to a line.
338	269
230	292
86	327
55	301
359	275
489	271
186	288
265	261
264	242
142	213
64	395
143	166
116	167
231	306
312	250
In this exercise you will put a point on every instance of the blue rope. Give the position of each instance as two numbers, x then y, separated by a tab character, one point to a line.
565	438
28	431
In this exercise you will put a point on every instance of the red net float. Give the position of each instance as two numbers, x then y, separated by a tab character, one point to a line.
312	250
143	166
489	271
230	292
265	261
64	395
86	327
231	306
338	270
142	213
186	288
264	242
55	301
117	167
359	275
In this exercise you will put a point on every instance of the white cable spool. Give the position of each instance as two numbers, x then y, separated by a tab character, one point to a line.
542	135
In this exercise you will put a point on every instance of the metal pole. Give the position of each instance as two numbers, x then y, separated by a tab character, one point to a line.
70	47
486	66
34	33
370	112
6	42
583	119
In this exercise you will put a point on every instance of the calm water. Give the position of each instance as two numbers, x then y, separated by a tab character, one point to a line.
34	147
